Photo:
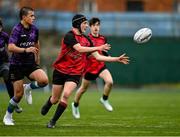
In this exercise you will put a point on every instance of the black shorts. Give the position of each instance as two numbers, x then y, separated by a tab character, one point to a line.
91	77
60	78
18	72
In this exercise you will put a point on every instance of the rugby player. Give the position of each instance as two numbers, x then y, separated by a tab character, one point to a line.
24	62
70	65
4	64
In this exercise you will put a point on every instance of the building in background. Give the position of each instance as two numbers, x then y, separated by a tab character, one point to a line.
105	5
98	5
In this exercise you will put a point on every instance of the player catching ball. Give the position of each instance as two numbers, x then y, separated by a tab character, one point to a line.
70	65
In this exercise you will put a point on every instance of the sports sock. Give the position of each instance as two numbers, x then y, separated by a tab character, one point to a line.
76	104
33	85
48	103
105	97
59	110
12	105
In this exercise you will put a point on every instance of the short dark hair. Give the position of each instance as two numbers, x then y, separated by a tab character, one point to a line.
24	11
94	20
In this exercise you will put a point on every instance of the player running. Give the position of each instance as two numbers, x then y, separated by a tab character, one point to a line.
94	69
4	64
70	65
24	45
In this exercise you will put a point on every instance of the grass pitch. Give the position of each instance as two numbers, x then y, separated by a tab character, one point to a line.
140	112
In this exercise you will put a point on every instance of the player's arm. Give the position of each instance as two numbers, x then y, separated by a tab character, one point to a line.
82	49
13	48
71	41
122	58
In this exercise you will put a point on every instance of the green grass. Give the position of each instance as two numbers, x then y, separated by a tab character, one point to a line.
140	112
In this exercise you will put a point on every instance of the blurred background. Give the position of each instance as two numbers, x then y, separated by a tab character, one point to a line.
156	62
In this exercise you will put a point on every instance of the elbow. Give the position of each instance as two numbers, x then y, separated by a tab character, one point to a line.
81	50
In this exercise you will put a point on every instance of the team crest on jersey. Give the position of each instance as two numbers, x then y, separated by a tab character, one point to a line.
32	35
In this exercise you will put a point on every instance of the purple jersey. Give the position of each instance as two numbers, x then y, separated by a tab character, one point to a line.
23	38
3	42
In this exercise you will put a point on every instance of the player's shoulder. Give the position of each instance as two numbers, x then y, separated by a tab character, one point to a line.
69	34
34	27
99	37
17	28
102	36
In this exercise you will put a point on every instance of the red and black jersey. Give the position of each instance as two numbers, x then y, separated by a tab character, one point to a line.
69	60
93	66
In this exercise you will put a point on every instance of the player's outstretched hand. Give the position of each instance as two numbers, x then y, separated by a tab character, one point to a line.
123	59
105	47
32	49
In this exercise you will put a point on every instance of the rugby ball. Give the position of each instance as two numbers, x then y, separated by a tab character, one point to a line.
143	35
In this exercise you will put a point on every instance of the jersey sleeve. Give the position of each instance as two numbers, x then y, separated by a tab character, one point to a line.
14	36
70	39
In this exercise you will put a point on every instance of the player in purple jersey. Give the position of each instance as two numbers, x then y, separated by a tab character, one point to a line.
4	64
24	45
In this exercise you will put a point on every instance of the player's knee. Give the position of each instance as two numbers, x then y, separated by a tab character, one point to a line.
109	83
83	89
65	98
43	83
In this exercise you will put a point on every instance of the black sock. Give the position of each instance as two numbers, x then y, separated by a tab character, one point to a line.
9	87
59	110
76	104
105	97
48	103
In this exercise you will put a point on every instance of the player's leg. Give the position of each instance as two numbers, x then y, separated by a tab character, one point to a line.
4	72
56	94
69	86
18	90
8	83
9	87
40	80
58	80
106	76
75	105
